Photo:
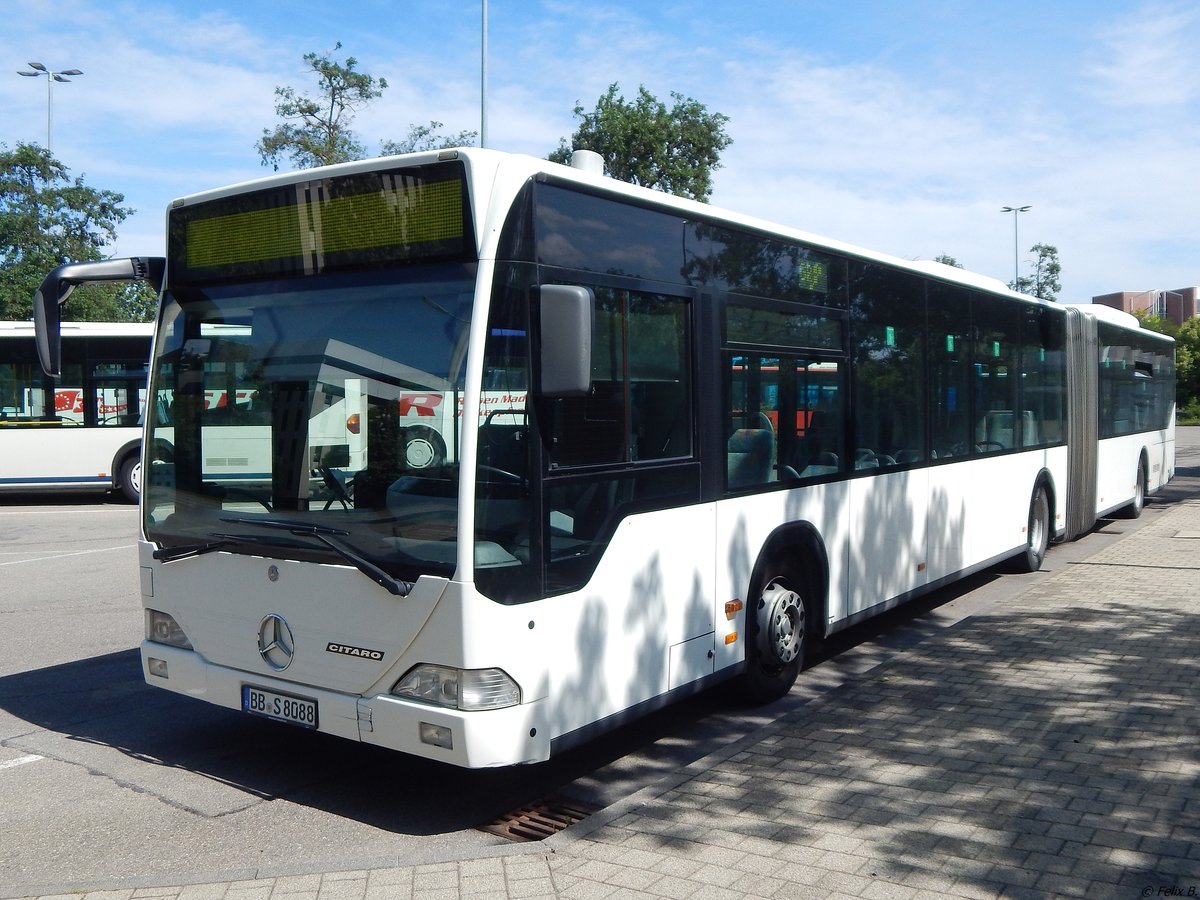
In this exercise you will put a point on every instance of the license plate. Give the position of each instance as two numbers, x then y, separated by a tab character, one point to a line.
281	707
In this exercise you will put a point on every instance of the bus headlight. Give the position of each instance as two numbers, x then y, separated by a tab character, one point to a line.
163	629
465	689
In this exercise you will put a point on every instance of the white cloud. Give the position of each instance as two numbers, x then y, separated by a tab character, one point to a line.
1145	58
900	146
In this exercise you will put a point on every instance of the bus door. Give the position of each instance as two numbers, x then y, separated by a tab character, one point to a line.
622	489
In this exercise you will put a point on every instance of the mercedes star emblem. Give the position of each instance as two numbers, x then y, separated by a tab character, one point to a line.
275	643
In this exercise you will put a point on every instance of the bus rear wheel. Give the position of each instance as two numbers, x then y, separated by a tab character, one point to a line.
777	637
1138	503
1037	532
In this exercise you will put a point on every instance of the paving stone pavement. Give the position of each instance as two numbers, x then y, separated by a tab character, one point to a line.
1046	747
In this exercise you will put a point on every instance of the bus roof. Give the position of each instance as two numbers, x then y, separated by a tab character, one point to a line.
1119	318
82	329
498	171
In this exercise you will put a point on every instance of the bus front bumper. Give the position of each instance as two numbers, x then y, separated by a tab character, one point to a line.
472	739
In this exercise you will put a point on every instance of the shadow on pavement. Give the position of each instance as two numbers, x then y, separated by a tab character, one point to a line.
103	701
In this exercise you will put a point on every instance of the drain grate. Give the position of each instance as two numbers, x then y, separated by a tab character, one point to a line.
539	820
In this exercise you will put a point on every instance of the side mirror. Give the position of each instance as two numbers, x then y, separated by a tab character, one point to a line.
567	314
57	286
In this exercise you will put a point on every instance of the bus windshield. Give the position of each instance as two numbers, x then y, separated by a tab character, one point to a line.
312	417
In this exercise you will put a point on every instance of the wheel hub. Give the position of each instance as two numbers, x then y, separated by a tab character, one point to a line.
419	453
780	624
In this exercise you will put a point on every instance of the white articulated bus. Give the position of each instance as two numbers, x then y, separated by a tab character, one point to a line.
82	430
547	450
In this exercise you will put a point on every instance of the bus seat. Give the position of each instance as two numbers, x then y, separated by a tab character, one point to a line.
749	457
996	427
826	463
873	460
1029	429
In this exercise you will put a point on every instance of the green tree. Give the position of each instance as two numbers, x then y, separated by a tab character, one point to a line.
947	260
1151	322
1044	282
426	137
1187	368
1187	360
48	218
316	130
674	150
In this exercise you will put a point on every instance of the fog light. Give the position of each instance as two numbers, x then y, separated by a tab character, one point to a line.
437	735
157	667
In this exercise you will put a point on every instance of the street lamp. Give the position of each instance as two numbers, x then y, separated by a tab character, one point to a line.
483	75
1015	210
51	77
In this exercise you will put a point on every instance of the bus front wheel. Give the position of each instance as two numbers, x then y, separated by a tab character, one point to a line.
129	478
778	636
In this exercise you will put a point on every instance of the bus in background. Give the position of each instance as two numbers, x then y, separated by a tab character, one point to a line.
82	430
542	451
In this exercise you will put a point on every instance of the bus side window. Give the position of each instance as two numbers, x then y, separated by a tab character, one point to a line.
639	407
754	417
950	370
785	419
819	426
996	345
888	342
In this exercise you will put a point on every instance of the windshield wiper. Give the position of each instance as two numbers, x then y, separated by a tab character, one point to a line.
329	537
285	525
183	551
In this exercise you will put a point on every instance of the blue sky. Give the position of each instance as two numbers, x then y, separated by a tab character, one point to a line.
899	125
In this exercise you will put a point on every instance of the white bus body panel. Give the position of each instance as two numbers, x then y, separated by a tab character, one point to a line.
41	458
572	655
890	535
1117	464
646	622
69	455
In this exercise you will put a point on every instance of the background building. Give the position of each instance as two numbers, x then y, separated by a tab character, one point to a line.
1176	306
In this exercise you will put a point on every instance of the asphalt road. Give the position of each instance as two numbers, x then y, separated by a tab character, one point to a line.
103	779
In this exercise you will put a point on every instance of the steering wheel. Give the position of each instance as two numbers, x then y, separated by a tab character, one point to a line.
504	474
234	489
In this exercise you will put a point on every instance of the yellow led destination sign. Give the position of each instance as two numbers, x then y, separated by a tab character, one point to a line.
368	219
813	275
431	212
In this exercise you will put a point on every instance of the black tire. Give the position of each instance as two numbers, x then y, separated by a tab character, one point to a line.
1135	507
1037	532
778	635
129	478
